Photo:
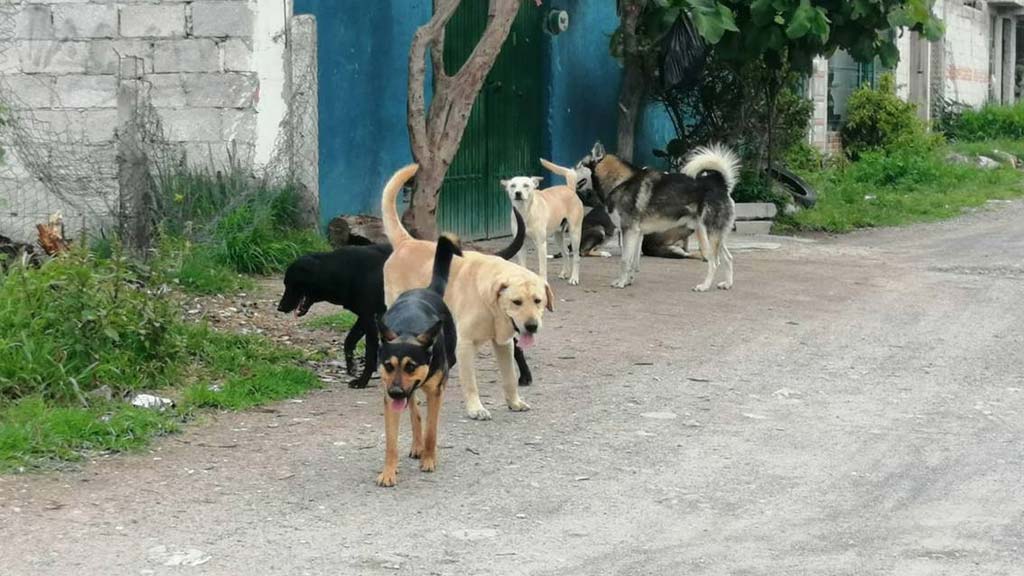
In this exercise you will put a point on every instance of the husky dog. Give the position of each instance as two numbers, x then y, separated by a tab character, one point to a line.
648	201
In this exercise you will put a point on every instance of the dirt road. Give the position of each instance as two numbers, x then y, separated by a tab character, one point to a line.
854	406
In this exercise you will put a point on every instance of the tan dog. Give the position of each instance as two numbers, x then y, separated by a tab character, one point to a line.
555	209
491	299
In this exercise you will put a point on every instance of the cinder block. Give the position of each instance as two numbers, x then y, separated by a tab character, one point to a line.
52	57
153	20
754	227
34	23
239	126
166	90
755	211
85	126
74	91
186	55
85	21
222	19
104	55
229	90
192	125
28	90
237	55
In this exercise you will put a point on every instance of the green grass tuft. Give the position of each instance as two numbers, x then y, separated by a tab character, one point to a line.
339	322
256	386
36	434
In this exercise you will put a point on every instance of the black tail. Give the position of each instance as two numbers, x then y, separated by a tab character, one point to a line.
447	248
517	243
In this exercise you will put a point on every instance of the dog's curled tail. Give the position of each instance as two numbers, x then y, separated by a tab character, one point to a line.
447	248
715	158
393	228
516	245
568	173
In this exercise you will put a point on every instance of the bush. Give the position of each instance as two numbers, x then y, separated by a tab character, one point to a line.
991	122
79	323
879	120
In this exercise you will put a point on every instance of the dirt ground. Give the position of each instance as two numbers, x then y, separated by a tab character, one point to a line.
854	406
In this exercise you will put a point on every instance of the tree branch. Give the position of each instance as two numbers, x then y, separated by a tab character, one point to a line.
426	36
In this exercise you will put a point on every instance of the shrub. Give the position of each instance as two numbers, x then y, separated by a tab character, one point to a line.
79	323
991	122
879	120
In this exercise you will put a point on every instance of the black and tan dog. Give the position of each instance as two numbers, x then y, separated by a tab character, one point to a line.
417	349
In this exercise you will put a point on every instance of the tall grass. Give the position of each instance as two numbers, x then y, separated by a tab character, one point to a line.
990	122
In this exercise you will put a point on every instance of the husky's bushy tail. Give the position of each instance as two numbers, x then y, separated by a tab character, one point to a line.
447	248
716	158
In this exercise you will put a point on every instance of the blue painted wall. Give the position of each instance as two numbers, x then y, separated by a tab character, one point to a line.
364	54
363	85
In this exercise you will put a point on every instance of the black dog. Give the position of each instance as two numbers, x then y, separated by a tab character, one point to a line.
417	350
352	277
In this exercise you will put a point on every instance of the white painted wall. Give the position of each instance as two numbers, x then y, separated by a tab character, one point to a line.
270	54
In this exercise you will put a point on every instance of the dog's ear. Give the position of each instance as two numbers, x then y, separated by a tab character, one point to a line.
428	337
550	297
537	180
386	333
504	184
501	288
597	152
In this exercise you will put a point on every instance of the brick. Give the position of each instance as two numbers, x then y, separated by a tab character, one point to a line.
28	90
222	19
166	90
754	227
85	21
229	90
104	55
34	23
187	55
52	56
237	55
192	125
153	20
239	126
76	91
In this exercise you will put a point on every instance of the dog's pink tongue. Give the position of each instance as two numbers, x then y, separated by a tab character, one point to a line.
399	404
525	340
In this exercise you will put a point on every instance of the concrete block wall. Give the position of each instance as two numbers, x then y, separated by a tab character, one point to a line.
201	69
967	51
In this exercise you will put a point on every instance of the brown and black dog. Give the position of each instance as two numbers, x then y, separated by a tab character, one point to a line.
417	349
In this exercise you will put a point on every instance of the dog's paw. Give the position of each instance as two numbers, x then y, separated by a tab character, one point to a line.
387	478
563	275
428	464
518	405
603	254
620	283
701	288
416	451
574	281
478	413
724	285
525	381
359	383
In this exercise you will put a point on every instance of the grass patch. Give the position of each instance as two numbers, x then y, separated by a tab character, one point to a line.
83	328
339	322
900	187
34	433
257	386
198	269
990	148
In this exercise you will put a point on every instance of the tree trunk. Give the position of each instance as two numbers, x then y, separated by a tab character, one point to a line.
435	135
634	90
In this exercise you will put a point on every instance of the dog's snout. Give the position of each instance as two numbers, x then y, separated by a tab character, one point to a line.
396	392
519	195
532	327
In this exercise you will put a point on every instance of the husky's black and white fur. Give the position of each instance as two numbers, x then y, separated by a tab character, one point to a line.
646	201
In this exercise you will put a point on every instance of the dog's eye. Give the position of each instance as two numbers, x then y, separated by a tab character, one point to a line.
536	300
389	367
410	368
517	302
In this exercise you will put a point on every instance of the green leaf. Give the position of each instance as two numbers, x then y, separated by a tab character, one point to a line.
889	54
762	12
801	21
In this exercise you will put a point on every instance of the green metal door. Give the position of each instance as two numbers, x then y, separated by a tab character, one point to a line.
503	137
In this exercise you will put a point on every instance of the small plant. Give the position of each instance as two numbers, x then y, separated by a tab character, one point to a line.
991	122
879	120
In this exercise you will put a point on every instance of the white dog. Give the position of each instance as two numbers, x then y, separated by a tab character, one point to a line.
555	209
